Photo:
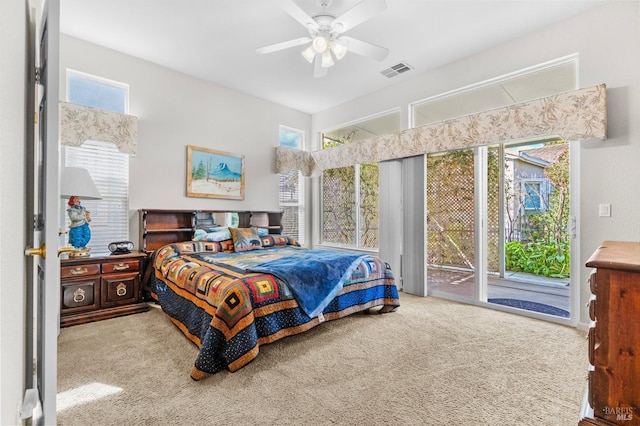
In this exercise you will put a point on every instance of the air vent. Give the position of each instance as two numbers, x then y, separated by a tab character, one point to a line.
395	70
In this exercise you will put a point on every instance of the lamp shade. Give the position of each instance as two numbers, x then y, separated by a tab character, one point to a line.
309	54
77	181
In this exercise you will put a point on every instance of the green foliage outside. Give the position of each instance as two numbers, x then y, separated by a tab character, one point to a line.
339	204
540	258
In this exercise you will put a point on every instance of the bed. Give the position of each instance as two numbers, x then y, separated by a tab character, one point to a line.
231	296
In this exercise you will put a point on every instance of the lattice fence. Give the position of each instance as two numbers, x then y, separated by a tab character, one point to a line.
451	210
340	207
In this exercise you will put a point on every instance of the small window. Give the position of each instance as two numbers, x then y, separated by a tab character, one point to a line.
533	195
291	189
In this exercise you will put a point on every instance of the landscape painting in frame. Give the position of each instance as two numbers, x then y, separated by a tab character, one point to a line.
214	174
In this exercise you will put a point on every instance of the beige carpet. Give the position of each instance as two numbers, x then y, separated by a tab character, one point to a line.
433	362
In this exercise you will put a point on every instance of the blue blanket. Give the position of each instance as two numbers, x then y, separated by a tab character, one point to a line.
315	277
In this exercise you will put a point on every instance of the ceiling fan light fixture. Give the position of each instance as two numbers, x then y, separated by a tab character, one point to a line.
309	54
339	50
325	34
327	60
319	44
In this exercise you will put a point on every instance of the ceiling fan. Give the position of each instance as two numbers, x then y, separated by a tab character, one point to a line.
326	34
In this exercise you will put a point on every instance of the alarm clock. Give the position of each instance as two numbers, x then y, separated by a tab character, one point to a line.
120	247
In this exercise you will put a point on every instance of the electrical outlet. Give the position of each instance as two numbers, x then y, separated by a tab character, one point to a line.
604	210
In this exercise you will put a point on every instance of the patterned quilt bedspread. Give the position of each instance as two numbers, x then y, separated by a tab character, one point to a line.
228	311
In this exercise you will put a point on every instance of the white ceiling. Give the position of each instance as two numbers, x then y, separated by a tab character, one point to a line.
215	40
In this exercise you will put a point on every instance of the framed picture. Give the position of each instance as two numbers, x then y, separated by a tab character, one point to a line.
214	174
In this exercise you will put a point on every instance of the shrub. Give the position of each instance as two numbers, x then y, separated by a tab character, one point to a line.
550	259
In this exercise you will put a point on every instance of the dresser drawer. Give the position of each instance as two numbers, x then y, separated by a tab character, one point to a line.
121	267
80	295
590	388
119	289
592	308
593	281
79	271
593	345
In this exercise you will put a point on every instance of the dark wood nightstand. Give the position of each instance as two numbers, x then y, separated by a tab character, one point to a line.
100	286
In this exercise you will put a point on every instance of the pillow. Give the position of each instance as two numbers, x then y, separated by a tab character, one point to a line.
245	239
273	240
217	234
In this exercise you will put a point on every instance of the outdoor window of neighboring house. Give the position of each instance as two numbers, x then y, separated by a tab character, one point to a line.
108	167
350	202
534	194
291	189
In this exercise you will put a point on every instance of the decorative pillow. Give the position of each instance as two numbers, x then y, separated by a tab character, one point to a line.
227	245
217	234
273	240
245	239
262	232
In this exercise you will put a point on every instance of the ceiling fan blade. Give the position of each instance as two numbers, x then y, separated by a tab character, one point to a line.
298	14
358	14
283	45
363	48
318	70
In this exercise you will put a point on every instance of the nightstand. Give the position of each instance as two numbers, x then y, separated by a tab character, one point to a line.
100	286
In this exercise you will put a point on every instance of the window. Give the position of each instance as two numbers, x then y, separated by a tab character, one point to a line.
108	167
350	202
533	195
291	189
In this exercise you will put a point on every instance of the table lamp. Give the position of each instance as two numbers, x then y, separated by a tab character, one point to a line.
76	184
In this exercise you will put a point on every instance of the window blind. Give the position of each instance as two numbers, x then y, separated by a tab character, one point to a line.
109	169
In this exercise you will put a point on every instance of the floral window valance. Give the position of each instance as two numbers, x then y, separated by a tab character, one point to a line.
575	115
79	123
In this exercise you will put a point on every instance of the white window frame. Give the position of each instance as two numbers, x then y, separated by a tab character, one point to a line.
542	195
109	169
357	178
301	186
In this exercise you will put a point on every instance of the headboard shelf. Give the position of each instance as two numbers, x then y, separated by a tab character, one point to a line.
161	227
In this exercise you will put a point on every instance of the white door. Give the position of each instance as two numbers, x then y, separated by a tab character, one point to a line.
43	187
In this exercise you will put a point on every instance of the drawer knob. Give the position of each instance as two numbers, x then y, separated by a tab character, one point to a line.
121	267
79	271
78	295
121	289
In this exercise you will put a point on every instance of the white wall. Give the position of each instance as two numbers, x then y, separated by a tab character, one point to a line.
12	207
175	110
607	40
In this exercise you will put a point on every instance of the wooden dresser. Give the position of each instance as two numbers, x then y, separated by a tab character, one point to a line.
99	287
613	394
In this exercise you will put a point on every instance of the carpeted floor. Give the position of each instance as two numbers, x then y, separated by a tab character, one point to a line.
433	362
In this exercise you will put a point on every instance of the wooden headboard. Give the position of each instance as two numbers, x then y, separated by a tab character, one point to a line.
158	228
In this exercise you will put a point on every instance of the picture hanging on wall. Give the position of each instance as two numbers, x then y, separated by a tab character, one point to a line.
214	174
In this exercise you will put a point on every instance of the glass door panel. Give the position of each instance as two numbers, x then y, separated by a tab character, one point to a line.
451	224
533	263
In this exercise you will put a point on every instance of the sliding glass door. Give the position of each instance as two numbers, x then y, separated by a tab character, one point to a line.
497	226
